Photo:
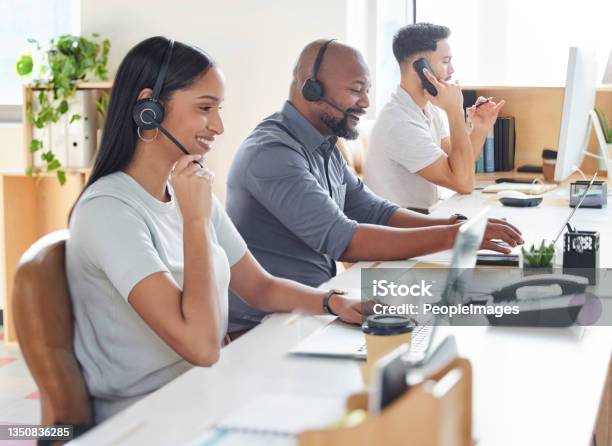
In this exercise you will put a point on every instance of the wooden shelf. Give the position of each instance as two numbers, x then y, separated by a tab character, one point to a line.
30	208
28	93
93	85
537	111
33	206
20	172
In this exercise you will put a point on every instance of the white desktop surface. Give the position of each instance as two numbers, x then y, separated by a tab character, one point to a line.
532	386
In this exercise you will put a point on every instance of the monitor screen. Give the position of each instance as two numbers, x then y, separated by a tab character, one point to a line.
607	76
578	101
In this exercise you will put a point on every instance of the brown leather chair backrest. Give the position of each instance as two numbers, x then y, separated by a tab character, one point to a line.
45	331
355	151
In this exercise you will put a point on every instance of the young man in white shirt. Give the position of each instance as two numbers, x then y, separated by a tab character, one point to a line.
421	141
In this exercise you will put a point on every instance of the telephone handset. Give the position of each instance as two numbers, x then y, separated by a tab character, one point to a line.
569	285
419	65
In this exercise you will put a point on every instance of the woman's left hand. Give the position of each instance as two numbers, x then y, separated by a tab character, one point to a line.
349	310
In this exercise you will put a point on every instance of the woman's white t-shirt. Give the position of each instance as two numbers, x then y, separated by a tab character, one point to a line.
120	234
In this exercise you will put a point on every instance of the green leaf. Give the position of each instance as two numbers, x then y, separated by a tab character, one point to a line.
28	171
39	123
63	107
47	156
53	165
24	65
74	117
35	145
101	72
61	176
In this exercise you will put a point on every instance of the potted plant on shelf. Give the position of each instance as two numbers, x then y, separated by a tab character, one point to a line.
61	65
607	131
538	260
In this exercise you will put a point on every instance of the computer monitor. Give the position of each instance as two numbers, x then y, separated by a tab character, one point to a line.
578	103
607	76
465	252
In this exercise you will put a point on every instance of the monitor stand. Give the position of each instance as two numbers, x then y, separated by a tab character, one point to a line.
603	156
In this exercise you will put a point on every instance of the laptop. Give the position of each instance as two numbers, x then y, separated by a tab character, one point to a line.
341	340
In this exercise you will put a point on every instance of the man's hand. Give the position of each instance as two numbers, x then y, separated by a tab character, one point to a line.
449	97
484	116
501	230
349	310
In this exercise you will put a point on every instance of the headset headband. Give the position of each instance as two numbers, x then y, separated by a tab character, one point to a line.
162	72
319	59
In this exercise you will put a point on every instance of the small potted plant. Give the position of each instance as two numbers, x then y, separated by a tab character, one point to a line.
62	63
538	260
607	131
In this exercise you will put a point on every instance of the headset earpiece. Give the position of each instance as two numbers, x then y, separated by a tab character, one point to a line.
148	113
312	90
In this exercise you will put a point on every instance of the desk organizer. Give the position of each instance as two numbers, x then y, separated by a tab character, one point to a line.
597	196
417	418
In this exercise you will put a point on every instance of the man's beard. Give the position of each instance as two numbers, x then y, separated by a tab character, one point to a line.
340	127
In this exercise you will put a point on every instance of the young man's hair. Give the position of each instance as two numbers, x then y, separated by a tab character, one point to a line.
412	39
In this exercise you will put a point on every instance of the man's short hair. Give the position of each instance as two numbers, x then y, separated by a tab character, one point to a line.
412	39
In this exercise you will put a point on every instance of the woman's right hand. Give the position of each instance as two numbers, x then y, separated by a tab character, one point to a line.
192	189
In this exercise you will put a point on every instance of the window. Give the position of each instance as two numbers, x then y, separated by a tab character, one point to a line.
518	42
371	25
37	19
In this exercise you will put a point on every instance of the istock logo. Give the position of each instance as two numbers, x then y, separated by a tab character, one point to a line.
383	288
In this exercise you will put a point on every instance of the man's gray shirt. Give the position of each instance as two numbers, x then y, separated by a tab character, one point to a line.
295	202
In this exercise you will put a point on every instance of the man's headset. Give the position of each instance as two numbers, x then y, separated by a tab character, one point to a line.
313	90
148	113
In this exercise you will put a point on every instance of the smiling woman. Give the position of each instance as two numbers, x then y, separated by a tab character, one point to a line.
152	253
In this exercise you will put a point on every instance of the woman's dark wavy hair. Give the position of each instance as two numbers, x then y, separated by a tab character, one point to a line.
138	70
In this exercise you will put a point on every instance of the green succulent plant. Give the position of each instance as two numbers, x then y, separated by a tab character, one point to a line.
541	256
605	125
65	61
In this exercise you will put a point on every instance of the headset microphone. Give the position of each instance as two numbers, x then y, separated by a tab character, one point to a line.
346	113
313	90
148	113
176	143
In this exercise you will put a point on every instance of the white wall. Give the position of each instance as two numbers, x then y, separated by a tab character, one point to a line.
255	42
12	154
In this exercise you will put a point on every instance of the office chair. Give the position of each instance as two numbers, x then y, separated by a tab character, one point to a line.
45	329
354	152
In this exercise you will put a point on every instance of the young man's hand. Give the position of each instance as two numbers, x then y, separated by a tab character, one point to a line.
449	97
483	117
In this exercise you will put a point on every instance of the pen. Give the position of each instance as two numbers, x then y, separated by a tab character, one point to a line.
484	102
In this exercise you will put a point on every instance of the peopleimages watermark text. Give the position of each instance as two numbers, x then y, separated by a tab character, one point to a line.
445	310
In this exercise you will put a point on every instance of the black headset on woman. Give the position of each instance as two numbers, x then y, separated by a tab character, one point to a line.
148	113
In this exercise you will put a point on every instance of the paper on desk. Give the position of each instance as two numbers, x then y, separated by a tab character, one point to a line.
224	438
284	414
